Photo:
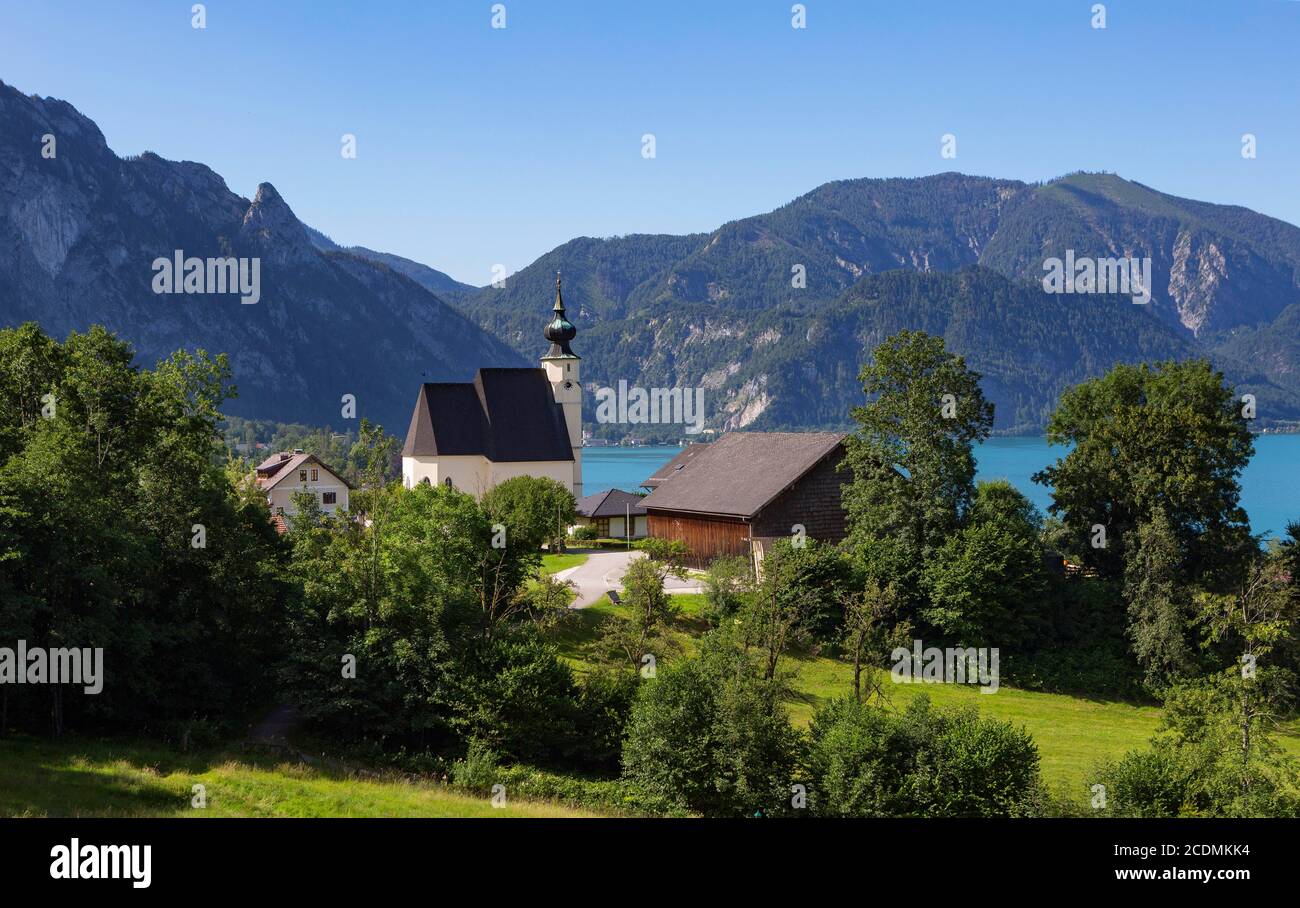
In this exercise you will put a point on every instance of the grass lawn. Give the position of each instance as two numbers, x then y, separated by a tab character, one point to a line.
82	778
553	564
583	626
1072	733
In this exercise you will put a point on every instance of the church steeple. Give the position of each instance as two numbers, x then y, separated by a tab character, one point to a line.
561	366
560	330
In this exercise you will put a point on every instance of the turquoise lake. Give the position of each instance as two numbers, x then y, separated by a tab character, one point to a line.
1270	485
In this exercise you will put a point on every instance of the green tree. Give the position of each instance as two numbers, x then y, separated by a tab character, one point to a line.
781	611
871	629
911	457
1159	603
988	577
671	553
650	612
711	735
1195	764
120	531
729	579
1167	435
534	511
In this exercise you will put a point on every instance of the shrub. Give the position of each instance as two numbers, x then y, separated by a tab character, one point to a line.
604	705
865	762
518	697
478	770
711	735
1144	784
610	795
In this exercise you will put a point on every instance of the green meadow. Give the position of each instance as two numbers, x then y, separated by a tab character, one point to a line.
74	777
1073	733
81	778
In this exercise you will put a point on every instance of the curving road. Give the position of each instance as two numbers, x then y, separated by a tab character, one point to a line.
603	571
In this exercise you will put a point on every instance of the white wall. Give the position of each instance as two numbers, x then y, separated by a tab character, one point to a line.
559	470
475	474
281	496
469	473
640	527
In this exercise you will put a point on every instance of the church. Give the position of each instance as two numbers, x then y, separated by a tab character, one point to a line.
505	423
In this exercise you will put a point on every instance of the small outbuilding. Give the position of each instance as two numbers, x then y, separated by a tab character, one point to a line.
612	512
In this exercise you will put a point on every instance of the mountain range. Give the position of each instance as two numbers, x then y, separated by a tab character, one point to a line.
772	315
81	229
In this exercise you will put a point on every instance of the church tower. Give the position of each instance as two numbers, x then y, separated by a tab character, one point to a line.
561	365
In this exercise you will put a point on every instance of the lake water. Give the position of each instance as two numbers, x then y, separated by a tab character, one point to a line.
1270	485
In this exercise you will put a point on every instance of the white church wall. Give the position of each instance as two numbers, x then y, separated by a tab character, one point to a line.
475	474
559	470
468	473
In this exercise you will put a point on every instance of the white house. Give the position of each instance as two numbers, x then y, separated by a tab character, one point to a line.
285	474
505	423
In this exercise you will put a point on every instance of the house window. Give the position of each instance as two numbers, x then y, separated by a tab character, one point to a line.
302	475
315	474
329	497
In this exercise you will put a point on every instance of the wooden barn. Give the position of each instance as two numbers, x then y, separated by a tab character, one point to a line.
739	494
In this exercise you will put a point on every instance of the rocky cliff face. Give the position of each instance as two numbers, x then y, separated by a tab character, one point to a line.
1215	268
662	311
80	229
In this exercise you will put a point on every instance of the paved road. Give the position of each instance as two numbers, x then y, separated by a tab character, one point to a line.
603	571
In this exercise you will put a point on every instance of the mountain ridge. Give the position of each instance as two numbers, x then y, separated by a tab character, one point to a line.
79	233
724	309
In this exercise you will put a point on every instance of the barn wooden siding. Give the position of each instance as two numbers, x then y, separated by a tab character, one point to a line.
706	537
815	502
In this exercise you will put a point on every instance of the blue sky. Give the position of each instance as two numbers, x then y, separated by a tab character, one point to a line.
478	146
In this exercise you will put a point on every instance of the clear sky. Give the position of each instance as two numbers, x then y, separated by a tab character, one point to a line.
478	146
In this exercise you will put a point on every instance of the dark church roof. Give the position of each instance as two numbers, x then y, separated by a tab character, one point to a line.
503	414
741	473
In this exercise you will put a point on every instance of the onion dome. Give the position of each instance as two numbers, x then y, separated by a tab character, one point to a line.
560	330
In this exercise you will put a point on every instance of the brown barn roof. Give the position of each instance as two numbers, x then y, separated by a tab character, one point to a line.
741	473
687	454
503	414
611	503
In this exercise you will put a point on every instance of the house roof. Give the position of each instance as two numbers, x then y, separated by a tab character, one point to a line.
278	468
687	454
611	503
742	472
503	414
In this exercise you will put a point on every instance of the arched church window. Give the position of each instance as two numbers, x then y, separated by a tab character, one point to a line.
447	483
